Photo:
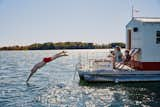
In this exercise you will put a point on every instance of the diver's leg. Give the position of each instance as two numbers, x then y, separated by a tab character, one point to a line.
59	55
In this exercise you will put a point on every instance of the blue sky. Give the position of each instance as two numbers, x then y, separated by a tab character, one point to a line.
23	22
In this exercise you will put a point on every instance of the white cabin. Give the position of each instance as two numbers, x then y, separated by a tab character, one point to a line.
144	34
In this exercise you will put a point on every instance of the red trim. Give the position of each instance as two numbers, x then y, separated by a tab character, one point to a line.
145	65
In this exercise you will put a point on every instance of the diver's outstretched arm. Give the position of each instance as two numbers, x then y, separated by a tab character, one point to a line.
35	68
29	76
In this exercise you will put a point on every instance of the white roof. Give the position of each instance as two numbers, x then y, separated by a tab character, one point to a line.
147	19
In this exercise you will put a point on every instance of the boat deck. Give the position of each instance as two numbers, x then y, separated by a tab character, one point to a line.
101	70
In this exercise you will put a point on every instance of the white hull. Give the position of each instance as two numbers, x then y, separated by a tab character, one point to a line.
119	76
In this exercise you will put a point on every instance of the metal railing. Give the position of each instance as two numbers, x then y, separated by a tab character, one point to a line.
94	61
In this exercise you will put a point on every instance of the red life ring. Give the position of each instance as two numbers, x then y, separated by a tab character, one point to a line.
48	59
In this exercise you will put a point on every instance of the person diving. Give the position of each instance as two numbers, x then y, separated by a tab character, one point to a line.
44	62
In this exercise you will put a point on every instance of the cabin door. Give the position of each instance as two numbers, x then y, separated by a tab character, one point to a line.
129	33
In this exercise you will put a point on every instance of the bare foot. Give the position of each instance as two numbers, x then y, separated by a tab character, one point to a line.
65	54
61	52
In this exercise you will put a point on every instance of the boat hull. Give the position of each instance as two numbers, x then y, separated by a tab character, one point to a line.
120	76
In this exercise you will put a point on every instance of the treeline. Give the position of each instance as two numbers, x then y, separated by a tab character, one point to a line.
63	45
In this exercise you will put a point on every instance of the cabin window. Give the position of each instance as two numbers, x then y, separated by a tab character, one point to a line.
135	29
158	37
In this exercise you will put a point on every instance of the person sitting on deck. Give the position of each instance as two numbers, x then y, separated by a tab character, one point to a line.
125	61
128	58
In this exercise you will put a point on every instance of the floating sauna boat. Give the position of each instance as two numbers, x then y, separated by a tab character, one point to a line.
143	41
97	73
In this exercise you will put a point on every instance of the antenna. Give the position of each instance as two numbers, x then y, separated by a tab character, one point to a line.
132	11
132	7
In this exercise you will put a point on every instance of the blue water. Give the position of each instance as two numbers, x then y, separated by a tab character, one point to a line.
55	86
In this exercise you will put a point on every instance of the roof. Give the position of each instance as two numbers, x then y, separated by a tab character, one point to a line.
147	19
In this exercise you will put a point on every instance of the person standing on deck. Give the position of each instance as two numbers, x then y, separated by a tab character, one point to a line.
118	54
44	62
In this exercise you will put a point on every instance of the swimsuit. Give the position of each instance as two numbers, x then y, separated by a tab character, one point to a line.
48	59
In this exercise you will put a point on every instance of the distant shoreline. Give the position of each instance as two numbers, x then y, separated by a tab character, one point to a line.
58	49
62	45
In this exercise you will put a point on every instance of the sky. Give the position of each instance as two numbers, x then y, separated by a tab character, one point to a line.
24	22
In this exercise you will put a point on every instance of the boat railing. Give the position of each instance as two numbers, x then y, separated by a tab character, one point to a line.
94	61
